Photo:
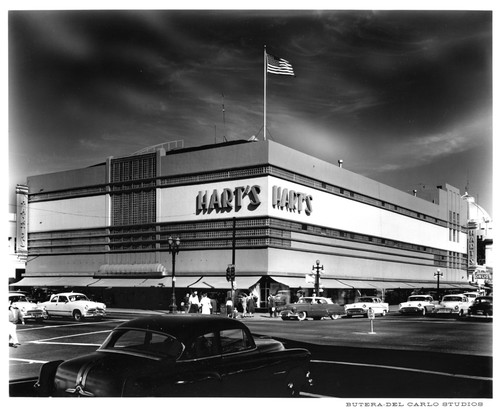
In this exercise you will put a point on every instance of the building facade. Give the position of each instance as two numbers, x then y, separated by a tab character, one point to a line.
269	210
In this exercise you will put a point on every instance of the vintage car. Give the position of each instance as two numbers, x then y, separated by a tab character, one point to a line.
363	304
28	310
452	304
417	304
75	305
482	307
312	307
180	355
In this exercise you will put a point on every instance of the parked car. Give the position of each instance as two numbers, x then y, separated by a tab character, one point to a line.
417	304
312	307
363	304
75	305
482	307
180	355
28	310
453	304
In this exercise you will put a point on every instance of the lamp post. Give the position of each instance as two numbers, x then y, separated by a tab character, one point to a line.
438	274
173	248
317	267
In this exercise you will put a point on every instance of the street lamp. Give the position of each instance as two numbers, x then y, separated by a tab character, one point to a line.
438	274
173	248
316	284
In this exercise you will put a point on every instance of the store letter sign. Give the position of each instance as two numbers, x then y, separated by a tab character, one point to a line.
292	200
228	199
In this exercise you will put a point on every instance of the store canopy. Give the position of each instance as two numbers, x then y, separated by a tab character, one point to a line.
390	284
219	282
131	269
118	282
332	283
293	282
71	281
180	282
358	284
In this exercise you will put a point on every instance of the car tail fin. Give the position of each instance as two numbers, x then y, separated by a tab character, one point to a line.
45	384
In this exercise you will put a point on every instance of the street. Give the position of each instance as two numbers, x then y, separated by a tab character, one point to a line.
392	357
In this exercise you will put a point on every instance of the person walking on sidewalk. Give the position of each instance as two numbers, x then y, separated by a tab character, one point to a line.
14	317
272	306
194	303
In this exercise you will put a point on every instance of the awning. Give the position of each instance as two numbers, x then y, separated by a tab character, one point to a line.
118	282
71	281
220	282
358	284
332	283
180	282
293	282
135	269
390	284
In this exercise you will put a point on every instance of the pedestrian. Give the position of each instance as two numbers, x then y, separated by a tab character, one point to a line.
214	305
194	303
244	300
251	305
272	306
229	307
14	317
205	304
185	303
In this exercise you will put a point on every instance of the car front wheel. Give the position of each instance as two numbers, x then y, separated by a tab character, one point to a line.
302	315
335	316
77	315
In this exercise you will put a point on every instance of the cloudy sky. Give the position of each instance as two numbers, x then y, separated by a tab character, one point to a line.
403	97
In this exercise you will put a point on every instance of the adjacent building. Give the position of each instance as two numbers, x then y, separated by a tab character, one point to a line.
281	217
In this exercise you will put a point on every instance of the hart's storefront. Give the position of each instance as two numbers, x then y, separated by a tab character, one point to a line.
269	210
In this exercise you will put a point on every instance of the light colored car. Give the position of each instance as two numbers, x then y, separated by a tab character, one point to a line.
363	304
312	307
453	304
417	304
75	305
28	310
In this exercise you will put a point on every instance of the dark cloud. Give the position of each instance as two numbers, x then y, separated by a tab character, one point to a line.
392	92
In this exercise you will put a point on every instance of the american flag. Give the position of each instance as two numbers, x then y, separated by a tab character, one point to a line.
279	66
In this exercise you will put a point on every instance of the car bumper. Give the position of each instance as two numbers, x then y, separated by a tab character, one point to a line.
445	311
481	314
34	315
410	310
94	314
288	314
356	311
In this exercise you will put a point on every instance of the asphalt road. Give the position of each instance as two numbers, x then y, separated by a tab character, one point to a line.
397	357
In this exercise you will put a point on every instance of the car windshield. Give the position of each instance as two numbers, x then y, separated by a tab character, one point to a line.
143	342
366	299
487	300
78	297
452	298
418	298
18	298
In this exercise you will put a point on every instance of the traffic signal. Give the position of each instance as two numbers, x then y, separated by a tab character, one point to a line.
230	272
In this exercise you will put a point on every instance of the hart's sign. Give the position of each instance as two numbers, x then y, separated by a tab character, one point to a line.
291	200
228	199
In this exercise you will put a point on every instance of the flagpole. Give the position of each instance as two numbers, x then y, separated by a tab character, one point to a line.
265	90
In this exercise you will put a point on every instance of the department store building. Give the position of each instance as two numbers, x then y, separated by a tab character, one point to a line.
269	210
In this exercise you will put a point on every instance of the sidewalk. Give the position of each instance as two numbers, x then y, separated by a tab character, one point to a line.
141	312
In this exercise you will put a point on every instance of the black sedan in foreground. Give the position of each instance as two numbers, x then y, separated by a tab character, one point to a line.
482	307
180	355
